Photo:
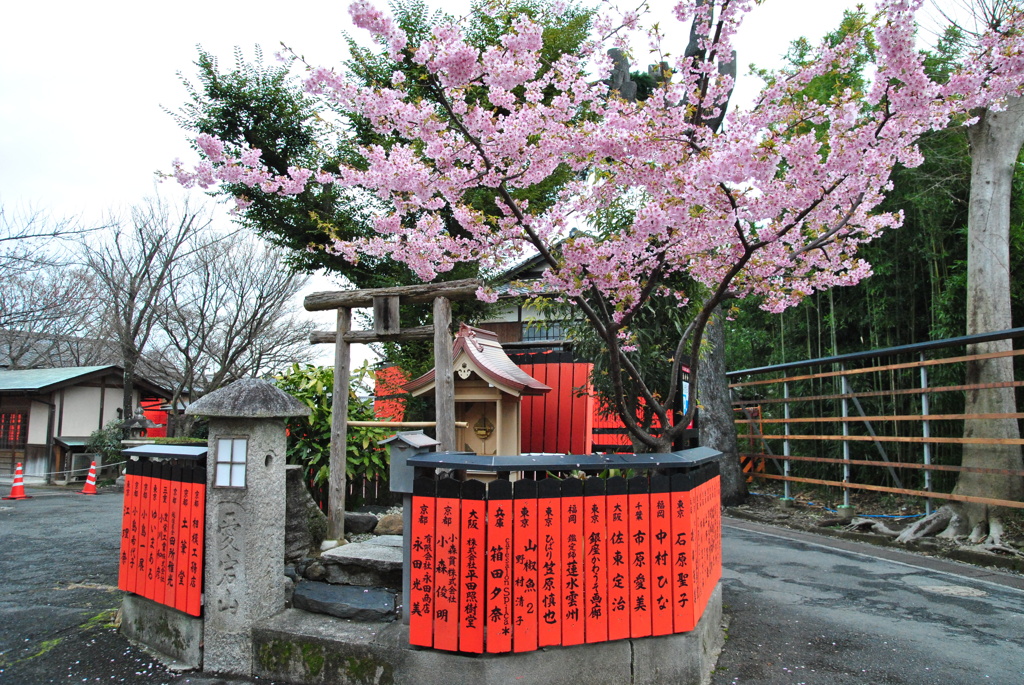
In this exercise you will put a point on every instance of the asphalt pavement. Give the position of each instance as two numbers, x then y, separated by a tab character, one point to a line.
801	608
814	610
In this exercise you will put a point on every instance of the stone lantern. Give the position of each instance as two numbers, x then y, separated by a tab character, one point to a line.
245	516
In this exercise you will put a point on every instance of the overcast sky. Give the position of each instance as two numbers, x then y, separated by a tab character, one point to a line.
83	84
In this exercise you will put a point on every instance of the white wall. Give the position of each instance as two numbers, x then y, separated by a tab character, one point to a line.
38	415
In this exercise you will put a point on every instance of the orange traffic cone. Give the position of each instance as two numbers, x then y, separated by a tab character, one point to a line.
18	488
90	482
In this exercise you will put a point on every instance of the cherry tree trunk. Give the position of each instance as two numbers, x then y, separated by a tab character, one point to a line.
995	143
715	424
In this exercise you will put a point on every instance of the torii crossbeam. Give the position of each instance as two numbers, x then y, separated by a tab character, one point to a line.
386	328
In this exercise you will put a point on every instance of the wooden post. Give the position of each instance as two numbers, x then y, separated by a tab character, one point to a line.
339	428
444	388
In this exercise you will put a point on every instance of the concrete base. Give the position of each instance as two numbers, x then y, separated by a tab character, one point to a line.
298	647
168	632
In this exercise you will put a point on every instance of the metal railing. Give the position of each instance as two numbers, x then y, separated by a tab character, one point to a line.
888	420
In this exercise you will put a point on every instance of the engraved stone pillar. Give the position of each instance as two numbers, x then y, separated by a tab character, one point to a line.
245	514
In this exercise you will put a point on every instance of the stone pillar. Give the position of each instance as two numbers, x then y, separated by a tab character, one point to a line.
245	517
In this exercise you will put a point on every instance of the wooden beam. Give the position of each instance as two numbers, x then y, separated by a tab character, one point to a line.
409	294
415	333
385	315
339	430
444	375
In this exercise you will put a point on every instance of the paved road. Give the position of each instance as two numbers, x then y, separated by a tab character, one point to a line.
58	565
801	611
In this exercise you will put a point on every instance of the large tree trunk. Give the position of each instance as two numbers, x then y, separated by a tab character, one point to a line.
715	424
996	141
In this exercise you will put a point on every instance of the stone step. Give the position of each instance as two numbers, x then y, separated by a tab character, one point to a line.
345	601
377	563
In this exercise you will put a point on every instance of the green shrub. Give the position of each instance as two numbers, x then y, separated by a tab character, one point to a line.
309	438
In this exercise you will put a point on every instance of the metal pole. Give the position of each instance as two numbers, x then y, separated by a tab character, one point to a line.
926	432
846	443
785	443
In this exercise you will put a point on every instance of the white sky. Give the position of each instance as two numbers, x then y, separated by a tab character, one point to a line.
82	83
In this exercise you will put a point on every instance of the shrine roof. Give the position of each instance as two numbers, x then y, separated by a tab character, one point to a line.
486	357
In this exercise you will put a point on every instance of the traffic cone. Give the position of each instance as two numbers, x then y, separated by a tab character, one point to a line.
18	488
90	482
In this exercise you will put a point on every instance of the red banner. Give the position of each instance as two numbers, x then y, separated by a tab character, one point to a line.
448	522
524	567
181	538
161	534
421	561
474	543
505	567
638	520
195	542
499	566
595	572
549	533
661	551
129	527
617	507
573	623
682	562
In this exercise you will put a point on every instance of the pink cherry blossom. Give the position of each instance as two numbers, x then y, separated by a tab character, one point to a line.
761	207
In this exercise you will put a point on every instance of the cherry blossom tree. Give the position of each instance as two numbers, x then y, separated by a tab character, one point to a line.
774	203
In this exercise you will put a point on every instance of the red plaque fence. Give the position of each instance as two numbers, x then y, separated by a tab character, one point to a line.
511	568
162	534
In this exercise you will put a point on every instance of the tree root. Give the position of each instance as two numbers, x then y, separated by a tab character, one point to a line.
997	549
865	525
944	521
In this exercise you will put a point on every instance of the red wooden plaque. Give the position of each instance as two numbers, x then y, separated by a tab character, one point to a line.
617	508
197	521
573	602
421	560
524	566
173	517
129	529
682	561
499	567
707	533
153	528
595	559
661	552
549	571
448	524
163	533
639	522
473	564
145	502
181	538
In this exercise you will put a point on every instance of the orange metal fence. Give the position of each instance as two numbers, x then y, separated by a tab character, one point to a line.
889	421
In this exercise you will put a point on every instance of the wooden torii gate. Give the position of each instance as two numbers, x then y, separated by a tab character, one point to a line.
386	328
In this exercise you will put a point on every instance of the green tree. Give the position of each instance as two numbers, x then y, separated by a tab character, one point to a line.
262	106
309	438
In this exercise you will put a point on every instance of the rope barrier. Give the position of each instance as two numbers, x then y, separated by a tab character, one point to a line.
70	471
